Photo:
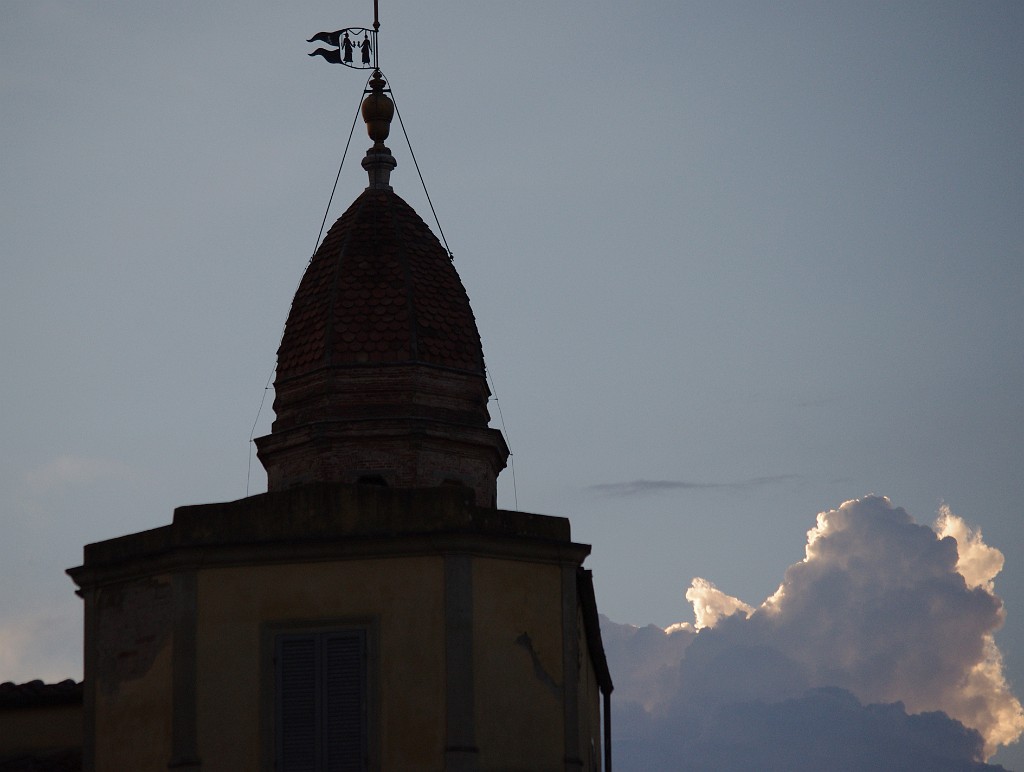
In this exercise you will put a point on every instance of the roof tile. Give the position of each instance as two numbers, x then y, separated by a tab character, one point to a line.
378	265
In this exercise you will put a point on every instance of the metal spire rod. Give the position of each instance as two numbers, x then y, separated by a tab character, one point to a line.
377	26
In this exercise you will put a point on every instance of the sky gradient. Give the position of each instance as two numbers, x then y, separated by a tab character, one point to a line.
733	264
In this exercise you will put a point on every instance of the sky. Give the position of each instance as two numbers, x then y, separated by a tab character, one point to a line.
733	264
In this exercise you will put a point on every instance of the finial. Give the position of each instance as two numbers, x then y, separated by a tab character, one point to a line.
378	110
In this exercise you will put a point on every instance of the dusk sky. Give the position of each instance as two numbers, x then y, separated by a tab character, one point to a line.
733	264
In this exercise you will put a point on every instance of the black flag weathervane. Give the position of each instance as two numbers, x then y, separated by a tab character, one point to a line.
354	47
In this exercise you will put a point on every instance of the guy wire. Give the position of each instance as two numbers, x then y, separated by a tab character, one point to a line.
508	441
422	182
330	200
440	230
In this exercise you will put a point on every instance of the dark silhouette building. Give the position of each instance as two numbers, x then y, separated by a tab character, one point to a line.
373	609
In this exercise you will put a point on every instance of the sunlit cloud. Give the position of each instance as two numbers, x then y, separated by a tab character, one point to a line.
898	617
976	561
710	605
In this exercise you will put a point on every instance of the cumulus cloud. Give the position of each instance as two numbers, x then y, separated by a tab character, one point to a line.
885	623
976	561
711	605
644	661
823	729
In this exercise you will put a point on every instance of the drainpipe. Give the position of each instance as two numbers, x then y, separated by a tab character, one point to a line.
607	730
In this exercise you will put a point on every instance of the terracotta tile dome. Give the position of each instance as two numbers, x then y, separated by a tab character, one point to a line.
380	373
380	289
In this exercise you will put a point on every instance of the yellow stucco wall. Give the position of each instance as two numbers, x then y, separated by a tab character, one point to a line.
132	684
517	654
236	605
519	716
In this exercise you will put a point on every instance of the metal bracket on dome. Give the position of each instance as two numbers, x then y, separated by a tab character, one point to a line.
346	41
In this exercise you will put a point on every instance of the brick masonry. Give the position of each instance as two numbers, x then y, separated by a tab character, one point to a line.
380	371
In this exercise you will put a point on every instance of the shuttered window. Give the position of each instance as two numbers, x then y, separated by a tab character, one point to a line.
320	697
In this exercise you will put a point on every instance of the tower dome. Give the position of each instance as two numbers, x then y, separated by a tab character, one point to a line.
380	373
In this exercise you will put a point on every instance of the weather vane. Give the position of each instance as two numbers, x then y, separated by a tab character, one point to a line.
346	41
